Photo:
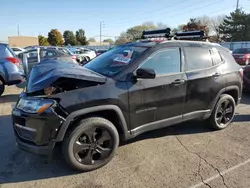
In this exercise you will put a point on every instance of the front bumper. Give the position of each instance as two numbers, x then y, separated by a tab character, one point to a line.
39	150
36	133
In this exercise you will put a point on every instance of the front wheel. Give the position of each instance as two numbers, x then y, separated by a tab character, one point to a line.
223	112
91	145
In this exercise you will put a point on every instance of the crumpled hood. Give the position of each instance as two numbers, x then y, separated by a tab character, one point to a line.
45	73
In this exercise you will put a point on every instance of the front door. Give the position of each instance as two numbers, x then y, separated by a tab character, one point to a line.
158	100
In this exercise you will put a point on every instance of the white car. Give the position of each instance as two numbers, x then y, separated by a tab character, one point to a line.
18	50
90	54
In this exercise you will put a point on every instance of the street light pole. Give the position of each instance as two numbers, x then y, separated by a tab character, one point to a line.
101	25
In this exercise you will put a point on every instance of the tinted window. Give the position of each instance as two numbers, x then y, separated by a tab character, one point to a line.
5	51
198	58
164	62
217	59
16	49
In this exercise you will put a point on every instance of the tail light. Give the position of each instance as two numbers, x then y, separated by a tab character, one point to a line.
74	57
247	56
13	60
241	72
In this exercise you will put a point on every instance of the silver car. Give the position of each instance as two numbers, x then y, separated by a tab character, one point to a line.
36	55
11	70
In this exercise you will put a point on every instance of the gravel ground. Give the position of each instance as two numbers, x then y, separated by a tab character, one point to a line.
185	155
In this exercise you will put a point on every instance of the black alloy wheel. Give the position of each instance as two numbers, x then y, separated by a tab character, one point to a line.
223	112
91	144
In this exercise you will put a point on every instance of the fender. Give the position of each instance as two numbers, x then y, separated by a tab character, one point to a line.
71	117
229	88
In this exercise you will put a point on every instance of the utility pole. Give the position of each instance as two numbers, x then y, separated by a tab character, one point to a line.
237	5
101	26
18	33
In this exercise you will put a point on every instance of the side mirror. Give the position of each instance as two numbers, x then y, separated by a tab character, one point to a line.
25	64
145	73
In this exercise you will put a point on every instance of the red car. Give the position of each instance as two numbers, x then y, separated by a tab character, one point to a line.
242	56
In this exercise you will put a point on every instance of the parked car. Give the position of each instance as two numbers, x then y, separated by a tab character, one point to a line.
131	89
46	53
11	69
17	50
242	56
89	54
246	83
99	52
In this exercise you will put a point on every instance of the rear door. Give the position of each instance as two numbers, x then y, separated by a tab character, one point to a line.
204	80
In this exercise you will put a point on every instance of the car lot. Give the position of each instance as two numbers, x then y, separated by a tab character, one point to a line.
185	155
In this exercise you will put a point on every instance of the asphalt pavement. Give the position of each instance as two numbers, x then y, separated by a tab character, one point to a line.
188	155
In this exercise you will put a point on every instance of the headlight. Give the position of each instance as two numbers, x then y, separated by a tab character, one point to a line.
34	105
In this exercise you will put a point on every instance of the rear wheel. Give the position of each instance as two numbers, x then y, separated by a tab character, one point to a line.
223	112
2	87
91	145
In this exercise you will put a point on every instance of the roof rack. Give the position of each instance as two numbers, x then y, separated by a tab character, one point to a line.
166	33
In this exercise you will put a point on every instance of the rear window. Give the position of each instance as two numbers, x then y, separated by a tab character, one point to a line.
198	58
5	51
241	51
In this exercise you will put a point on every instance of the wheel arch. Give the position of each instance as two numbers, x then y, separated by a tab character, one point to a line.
111	112
234	91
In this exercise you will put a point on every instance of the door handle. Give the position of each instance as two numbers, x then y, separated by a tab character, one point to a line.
178	82
216	74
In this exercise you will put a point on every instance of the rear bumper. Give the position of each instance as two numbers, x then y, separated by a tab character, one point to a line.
15	78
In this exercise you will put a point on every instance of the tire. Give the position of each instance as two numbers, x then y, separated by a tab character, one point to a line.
223	112
87	58
2	87
80	137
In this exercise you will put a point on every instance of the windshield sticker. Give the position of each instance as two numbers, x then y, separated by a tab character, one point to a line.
122	59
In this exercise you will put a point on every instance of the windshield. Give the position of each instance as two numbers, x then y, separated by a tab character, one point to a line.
115	60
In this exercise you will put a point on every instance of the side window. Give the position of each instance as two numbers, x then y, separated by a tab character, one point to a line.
165	61
198	58
217	59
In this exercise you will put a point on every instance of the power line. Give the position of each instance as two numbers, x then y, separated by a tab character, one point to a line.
190	10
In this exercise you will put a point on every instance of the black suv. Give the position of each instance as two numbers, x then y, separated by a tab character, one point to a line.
129	90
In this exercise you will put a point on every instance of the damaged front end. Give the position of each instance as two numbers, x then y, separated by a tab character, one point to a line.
53	76
38	115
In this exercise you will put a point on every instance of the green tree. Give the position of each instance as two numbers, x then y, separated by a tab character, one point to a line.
43	41
135	33
195	24
110	41
55	38
236	26
80	37
69	38
91	39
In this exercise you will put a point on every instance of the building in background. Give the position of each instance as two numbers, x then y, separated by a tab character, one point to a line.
22	41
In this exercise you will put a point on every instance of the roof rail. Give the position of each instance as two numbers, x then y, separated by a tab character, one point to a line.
166	33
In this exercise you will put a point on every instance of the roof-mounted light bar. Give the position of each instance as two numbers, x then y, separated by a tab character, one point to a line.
166	33
156	33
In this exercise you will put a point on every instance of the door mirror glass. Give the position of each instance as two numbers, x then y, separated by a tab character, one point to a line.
145	73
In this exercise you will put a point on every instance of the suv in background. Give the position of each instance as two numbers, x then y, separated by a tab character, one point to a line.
11	69
17	50
131	89
242	56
